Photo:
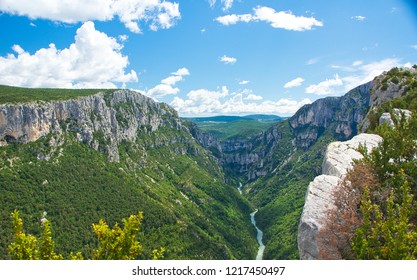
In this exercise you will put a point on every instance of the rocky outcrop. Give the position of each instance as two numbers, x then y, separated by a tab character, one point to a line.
341	114
102	120
387	86
338	160
398	113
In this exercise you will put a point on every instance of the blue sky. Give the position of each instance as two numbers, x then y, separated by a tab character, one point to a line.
207	57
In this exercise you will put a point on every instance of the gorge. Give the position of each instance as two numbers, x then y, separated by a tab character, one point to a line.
80	157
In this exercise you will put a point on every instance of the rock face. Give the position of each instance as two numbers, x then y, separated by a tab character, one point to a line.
342	114
102	121
242	156
319	198
245	156
385	88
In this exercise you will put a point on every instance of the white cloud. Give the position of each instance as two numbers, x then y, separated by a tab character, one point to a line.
162	90
358	18
326	87
228	60
282	19
157	13
166	87
171	80
206	102
286	20
181	72
227	4
93	60
312	61
233	19
253	97
294	83
359	73
367	72
123	38
244	82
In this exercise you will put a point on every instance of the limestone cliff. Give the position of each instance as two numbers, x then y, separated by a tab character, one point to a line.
342	114
319	199
102	120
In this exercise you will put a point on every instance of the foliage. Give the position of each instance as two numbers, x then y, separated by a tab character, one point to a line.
375	207
117	243
114	244
388	213
28	247
165	173
342	221
14	95
280	195
236	129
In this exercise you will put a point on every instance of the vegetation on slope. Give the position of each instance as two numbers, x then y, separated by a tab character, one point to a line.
17	95
377	210
280	195
227	127
113	244
188	209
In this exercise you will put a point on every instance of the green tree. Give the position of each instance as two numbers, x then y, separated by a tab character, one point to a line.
28	247
113	244
390	235
388	212
118	243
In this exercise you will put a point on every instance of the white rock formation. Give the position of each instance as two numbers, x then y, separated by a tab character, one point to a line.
386	117
319	198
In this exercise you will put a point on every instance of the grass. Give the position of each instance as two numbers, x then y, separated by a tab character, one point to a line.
16	95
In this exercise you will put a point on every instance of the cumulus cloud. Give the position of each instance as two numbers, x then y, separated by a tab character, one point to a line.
157	13
326	87
233	19
228	60
359	18
166	87
220	101
282	19
94	60
294	83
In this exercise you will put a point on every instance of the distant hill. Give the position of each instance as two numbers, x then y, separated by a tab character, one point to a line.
226	127
227	119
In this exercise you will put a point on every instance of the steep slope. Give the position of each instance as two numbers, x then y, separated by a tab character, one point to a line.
386	169
280	162
339	158
110	154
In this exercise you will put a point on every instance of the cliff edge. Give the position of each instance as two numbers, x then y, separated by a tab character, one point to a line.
338	160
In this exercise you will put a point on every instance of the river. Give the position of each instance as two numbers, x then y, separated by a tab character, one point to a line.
259	236
259	233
